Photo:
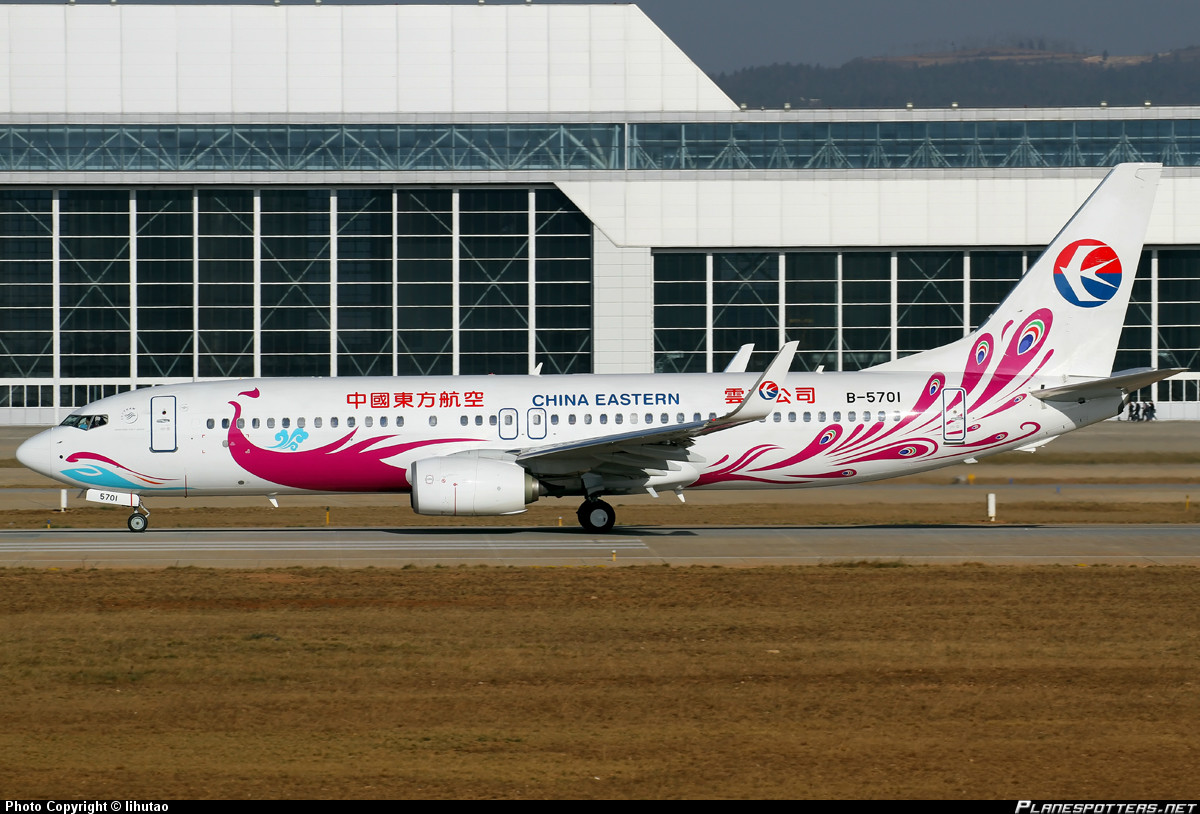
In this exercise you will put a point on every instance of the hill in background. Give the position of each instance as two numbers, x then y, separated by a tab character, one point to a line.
980	77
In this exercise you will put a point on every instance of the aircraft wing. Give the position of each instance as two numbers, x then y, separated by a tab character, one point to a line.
652	449
1126	381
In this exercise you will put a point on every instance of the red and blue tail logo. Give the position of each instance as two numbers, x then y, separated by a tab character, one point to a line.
1087	273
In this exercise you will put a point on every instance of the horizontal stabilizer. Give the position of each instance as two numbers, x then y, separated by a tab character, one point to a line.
1125	382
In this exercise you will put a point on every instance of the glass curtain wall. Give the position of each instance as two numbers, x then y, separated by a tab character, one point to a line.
838	306
103	289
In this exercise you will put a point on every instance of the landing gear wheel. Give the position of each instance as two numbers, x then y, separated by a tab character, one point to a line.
138	522
596	516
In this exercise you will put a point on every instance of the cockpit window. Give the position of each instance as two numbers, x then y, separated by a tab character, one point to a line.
85	422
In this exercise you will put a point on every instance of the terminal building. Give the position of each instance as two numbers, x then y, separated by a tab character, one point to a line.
206	191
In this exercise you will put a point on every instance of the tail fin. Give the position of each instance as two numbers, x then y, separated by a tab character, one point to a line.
1070	306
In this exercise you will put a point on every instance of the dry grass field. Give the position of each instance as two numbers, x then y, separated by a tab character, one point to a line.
855	681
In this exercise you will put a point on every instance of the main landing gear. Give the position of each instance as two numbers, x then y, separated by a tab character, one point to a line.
596	516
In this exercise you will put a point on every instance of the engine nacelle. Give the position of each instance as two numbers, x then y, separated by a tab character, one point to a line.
468	485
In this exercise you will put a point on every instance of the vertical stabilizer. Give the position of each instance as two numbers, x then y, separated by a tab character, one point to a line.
1069	308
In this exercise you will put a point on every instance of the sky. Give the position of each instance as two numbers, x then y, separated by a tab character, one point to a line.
725	35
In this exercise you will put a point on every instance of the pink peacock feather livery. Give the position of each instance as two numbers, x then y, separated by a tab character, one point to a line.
995	373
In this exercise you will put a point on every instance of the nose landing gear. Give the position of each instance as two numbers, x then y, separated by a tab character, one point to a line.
137	521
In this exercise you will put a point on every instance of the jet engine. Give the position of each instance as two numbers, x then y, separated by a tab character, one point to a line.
469	485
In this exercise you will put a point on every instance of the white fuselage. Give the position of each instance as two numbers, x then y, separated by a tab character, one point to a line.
277	436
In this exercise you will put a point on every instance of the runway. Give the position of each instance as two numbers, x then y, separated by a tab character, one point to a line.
1141	545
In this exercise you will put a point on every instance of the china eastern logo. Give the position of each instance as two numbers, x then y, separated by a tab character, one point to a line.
1087	273
769	391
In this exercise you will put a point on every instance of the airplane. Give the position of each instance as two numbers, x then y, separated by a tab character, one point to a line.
1038	367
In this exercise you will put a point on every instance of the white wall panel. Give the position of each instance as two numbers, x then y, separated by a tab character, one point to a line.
842	211
480	68
314	60
854	210
331	59
423	40
643	66
528	60
904	212
149	48
93	59
37	63
369	60
569	60
5	92
715	219
260	80
607	83
758	216
205	59
622	308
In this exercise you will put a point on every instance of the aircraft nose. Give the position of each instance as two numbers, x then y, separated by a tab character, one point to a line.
35	453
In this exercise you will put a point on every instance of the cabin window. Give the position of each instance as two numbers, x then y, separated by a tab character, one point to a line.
333	422
632	418
537	419
571	419
492	420
711	417
254	423
821	417
792	418
895	416
617	419
210	424
241	423
224	423
679	417
433	421
851	416
317	423
399	421
837	415
350	421
369	420
285	423
478	421
508	419
587	418
807	417
300	423
778	417
462	419
554	419
604	418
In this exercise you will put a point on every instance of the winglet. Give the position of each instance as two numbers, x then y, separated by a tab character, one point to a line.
740	360
755	407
